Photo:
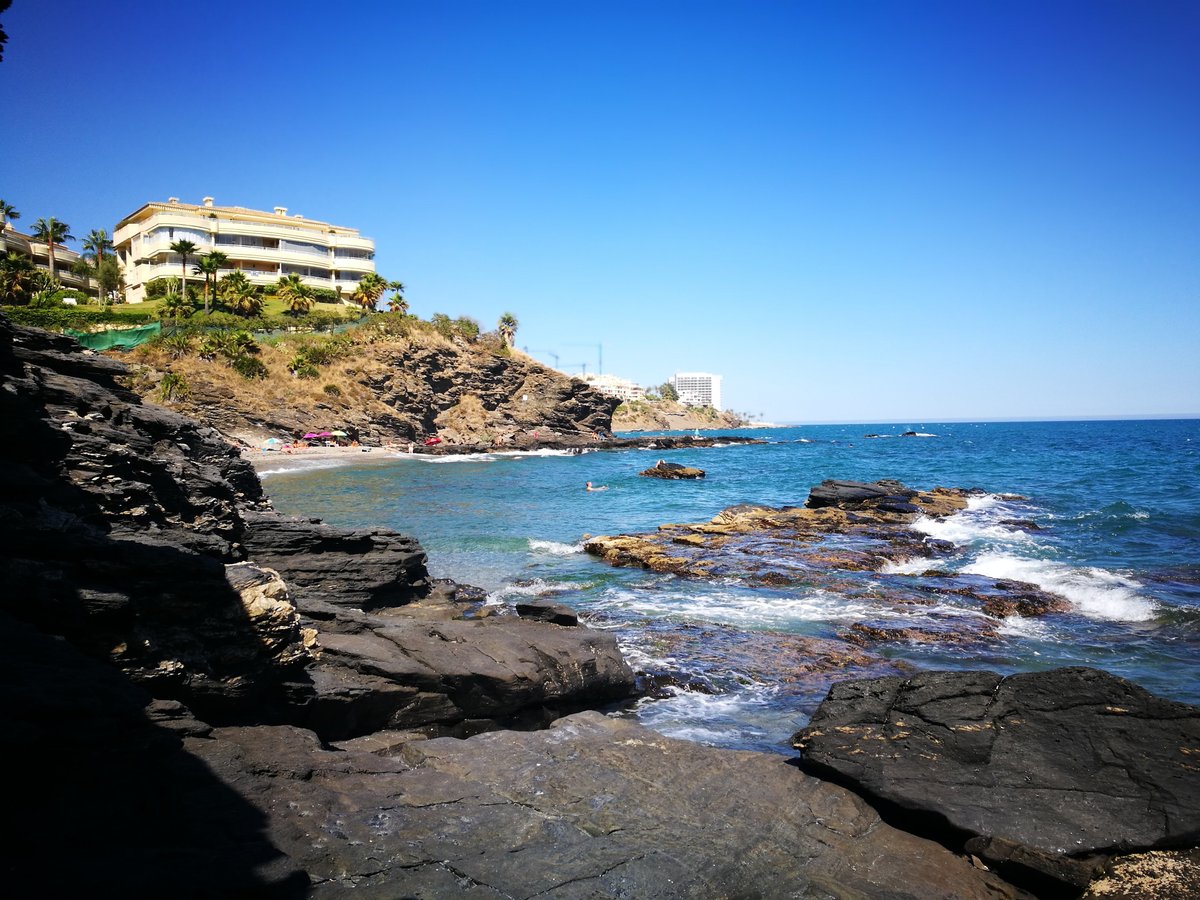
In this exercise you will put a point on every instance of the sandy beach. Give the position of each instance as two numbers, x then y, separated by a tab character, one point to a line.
275	461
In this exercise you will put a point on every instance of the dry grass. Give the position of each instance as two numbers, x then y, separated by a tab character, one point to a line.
464	423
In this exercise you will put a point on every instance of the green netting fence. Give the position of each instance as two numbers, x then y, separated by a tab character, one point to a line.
123	338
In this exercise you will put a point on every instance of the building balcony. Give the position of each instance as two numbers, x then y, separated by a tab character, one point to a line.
352	242
354	267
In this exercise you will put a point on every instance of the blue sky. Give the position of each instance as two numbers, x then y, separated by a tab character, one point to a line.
854	211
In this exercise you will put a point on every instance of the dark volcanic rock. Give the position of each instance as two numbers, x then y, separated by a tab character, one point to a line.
404	671
1042	770
888	496
144	539
593	807
107	803
672	471
362	568
119	521
544	611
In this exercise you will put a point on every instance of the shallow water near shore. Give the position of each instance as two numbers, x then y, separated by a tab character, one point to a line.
1108	517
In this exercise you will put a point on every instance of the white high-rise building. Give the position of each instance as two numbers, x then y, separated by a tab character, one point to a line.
697	388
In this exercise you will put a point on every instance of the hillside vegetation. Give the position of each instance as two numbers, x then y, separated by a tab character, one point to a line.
669	415
392	379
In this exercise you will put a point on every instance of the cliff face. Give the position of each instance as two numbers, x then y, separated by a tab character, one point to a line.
667	415
145	540
381	388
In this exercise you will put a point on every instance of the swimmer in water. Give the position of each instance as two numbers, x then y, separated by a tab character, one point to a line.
600	488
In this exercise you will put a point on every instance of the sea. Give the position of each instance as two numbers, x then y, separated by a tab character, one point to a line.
1103	514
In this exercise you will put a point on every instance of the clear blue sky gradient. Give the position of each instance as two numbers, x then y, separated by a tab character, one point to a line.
854	211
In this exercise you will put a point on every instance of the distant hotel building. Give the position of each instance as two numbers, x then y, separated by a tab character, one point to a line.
15	242
264	245
612	386
697	388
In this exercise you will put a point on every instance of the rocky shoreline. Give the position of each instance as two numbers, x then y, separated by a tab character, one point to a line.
205	698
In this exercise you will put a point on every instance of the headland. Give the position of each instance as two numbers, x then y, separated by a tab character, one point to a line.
205	697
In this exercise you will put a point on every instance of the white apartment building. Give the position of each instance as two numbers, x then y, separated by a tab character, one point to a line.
697	388
612	386
264	245
39	254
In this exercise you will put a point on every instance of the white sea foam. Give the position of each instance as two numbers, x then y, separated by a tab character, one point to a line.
300	467
977	523
544	451
914	565
744	608
713	719
1096	593
1023	627
554	548
460	457
533	588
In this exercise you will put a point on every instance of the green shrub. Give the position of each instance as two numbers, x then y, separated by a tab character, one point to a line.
160	287
466	327
302	369
249	367
172	387
332	390
176	345
58	317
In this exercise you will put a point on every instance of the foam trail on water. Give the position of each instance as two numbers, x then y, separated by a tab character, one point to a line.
1096	593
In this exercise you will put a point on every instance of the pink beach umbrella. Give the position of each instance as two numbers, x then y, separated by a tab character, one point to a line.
311	435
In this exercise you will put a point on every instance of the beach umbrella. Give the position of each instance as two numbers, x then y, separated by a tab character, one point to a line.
311	435
339	434
271	442
323	434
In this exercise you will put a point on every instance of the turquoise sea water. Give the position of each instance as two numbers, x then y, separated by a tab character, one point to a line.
1117	505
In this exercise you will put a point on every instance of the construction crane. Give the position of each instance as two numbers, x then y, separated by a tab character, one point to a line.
547	352
599	356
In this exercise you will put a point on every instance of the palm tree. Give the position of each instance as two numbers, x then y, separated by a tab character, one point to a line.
184	249
239	294
370	288
8	212
209	266
96	243
295	293
397	303
52	232
175	304
16	278
507	326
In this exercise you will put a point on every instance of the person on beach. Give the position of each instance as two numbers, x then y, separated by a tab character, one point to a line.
601	487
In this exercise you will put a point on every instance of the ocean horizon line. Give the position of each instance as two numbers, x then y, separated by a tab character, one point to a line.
1155	417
